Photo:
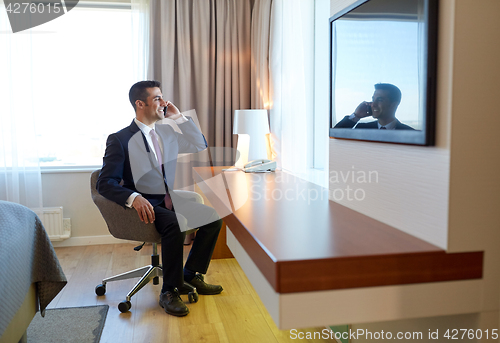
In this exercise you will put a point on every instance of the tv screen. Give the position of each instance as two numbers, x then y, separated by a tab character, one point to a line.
383	71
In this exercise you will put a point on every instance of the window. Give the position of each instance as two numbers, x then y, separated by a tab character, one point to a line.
82	72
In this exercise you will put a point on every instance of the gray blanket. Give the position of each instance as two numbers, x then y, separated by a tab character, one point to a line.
26	257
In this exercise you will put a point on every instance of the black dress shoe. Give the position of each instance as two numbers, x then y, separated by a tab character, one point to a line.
201	286
173	304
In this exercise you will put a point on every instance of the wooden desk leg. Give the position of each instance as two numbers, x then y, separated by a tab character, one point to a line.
221	249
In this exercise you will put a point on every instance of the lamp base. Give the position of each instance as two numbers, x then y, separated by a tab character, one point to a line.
242	150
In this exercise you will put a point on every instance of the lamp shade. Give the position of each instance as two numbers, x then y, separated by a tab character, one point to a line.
252	127
250	122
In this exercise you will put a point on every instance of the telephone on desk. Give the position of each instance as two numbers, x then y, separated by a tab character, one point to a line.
260	166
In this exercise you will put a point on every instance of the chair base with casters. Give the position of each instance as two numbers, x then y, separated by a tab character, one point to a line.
146	273
124	223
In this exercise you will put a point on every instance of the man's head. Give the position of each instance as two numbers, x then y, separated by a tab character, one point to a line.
146	98
139	91
385	101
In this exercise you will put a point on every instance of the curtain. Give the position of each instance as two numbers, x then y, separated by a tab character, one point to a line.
141	23
201	54
290	67
20	178
261	25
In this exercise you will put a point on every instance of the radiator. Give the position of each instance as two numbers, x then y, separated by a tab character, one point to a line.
56	226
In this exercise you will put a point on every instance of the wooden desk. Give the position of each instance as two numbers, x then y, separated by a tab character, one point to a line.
302	243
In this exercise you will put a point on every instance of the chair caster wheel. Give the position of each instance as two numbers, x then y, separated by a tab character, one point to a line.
124	306
100	290
193	297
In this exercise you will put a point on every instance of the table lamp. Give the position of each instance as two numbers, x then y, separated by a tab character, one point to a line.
251	126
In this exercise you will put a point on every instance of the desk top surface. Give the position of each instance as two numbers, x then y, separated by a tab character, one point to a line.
290	225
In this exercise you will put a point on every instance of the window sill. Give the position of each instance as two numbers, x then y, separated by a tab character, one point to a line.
68	169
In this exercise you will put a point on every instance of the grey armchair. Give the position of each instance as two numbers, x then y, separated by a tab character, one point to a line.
124	223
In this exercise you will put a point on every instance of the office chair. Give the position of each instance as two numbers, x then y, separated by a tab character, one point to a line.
124	223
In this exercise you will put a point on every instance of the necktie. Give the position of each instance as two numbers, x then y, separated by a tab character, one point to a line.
383	128
154	138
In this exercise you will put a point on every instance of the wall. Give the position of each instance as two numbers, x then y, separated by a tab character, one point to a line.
449	194
474	216
72	191
413	182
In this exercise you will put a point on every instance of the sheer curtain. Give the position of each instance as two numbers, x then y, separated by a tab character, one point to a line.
141	22
291	83
20	178
261	25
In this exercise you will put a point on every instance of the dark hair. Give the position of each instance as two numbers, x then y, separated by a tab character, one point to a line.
394	92
139	91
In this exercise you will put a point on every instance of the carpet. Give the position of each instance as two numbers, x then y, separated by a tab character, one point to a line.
66	325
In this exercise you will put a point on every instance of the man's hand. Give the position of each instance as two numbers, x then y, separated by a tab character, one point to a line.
144	209
363	110
171	111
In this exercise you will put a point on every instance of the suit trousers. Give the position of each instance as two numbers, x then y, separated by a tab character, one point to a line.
172	238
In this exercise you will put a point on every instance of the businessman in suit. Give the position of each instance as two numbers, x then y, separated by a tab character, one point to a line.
138	172
385	102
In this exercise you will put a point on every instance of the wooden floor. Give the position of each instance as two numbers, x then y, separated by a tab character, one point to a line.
235	315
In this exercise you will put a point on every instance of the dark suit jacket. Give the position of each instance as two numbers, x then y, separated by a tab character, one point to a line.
128	159
347	123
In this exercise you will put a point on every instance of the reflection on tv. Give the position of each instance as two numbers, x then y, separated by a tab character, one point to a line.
381	109
381	62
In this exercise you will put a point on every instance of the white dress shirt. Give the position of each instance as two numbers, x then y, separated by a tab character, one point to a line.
390	126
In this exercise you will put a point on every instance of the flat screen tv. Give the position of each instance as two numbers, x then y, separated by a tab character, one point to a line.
383	71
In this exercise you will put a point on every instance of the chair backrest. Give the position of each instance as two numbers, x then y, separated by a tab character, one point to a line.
123	223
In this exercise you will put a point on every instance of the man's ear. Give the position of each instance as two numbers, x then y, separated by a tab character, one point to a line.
139	104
